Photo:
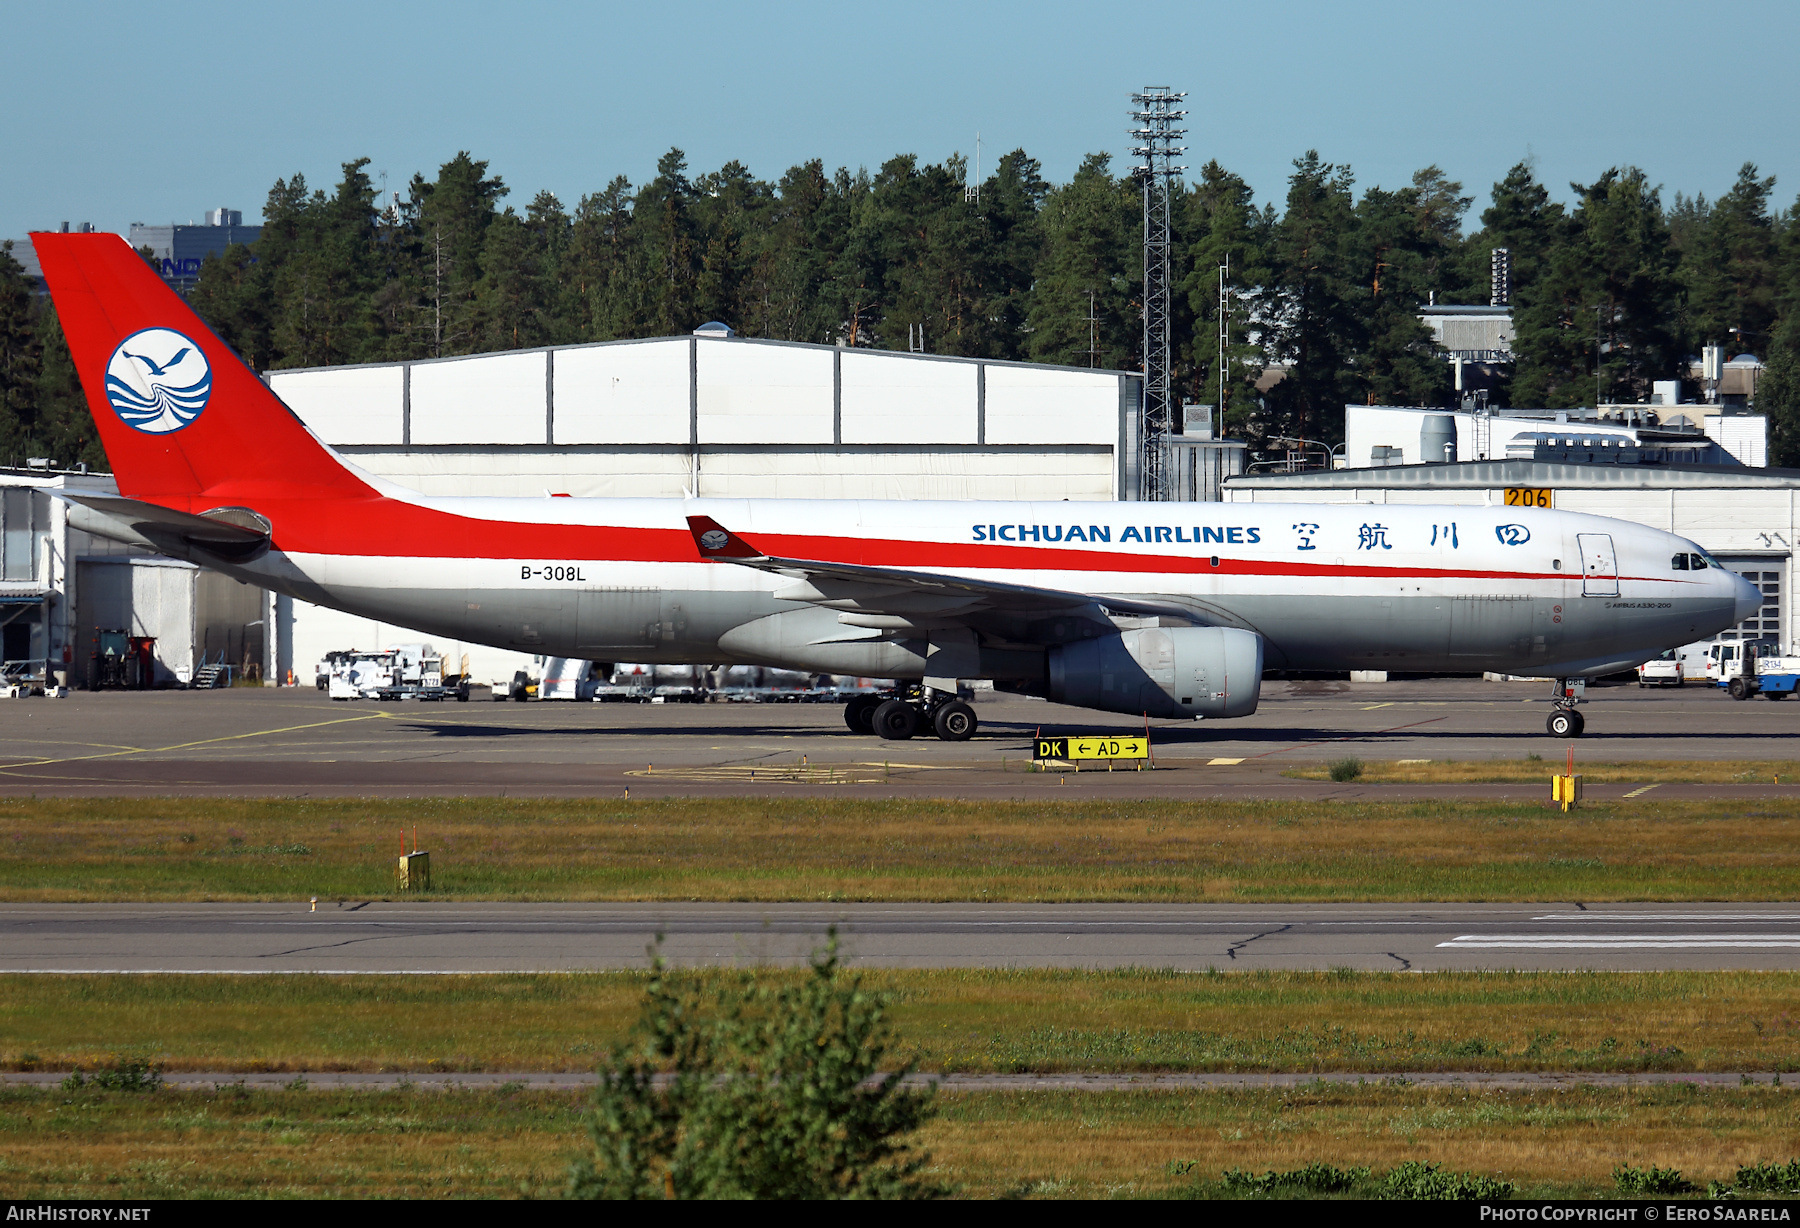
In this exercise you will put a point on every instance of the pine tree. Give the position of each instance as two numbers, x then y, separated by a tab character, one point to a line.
1727	258
65	425
933	249
1786	328
665	228
453	214
1010	203
730	209
757	1091
21	355
1223	224
1317	326
1778	397
522	298
854	288
1524	220
803	232
1084	309
1610	288
1408	243
602	268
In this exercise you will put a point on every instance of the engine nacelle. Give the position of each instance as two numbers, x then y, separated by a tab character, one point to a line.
1162	671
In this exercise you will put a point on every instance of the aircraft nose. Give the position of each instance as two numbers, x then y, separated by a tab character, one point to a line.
1749	597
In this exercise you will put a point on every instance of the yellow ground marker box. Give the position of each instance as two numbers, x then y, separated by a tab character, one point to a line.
1078	750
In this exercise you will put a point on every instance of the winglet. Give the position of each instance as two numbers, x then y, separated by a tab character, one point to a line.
718	542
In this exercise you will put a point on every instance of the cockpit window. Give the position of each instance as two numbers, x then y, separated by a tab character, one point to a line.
1679	563
1704	560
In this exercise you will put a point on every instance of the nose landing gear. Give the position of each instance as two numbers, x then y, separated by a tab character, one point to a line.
898	715
1565	721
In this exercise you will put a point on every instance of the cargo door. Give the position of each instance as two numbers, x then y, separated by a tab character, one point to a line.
612	623
1491	627
1599	565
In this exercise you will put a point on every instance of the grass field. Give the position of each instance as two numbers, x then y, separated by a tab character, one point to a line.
829	849
238	1143
954	1020
1540	770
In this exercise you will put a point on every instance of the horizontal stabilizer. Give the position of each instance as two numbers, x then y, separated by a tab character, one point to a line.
224	534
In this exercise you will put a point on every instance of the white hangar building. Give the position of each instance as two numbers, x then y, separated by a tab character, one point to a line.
719	415
62	589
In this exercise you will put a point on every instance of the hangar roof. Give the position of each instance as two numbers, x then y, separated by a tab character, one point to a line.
1492	474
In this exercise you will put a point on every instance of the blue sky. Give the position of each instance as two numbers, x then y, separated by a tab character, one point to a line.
157	112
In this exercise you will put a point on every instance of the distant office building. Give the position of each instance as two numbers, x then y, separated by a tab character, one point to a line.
26	254
1660	433
1728	385
180	250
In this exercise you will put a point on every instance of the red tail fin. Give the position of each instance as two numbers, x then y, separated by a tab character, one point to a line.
184	422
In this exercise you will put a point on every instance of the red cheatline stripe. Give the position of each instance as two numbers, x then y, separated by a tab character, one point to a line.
390	528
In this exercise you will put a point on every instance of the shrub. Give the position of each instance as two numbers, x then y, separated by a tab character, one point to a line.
1346	769
1769	1178
1761	1178
756	1092
1419	1180
1630	1179
127	1075
1314	1178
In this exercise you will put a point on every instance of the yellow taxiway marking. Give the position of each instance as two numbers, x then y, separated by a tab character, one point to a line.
789	773
156	750
1642	791
1372	707
1223	762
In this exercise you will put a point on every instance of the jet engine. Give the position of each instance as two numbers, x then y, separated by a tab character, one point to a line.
1162	671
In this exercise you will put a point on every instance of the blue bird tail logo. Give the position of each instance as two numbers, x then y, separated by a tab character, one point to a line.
158	381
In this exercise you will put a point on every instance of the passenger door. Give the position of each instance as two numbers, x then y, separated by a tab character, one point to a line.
1599	565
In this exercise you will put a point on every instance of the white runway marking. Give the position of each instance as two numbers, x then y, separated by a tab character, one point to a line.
1669	916
1621	942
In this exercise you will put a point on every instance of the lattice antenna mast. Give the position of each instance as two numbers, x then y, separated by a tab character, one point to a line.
1156	113
1224	342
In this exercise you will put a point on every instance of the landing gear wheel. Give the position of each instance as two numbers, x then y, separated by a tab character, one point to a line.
859	711
955	721
895	721
1565	723
1737	688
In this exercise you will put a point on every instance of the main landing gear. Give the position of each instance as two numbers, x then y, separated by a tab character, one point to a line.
896	716
1565	721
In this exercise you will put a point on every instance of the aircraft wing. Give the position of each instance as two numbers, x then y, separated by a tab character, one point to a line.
905	598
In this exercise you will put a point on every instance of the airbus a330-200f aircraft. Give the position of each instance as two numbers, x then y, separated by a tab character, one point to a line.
1161	609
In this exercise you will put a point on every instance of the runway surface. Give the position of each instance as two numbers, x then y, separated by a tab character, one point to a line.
294	742
495	938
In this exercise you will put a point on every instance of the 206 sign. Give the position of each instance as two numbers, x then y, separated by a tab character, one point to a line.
1527	496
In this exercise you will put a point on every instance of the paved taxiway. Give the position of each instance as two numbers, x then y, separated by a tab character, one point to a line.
486	938
291	742
1199	1080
